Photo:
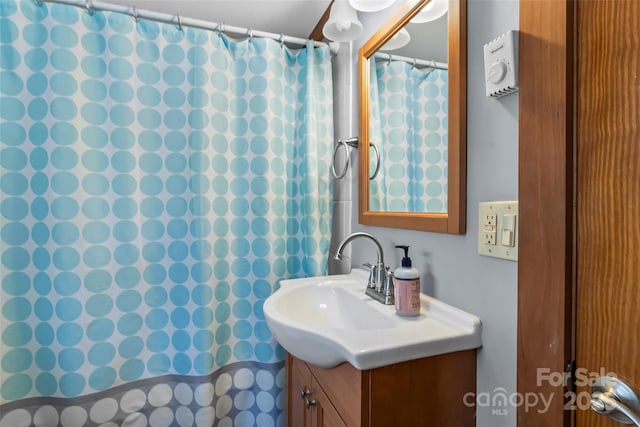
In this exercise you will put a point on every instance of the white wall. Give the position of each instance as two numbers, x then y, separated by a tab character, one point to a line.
451	268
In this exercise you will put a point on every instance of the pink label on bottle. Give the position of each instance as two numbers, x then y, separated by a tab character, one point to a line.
407	296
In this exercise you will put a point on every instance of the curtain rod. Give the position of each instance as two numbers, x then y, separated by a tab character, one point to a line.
424	62
178	20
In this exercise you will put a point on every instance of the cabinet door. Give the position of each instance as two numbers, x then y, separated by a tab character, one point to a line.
343	386
323	412
299	381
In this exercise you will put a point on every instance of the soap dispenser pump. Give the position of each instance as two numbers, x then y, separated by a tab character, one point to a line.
406	281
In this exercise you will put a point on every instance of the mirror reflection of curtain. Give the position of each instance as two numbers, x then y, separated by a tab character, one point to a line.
409	124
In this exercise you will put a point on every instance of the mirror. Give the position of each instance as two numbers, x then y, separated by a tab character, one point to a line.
413	119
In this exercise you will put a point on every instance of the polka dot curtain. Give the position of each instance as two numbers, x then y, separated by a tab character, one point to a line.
409	126
156	184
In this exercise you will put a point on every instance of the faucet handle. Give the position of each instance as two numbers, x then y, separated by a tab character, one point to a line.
388	288
373	275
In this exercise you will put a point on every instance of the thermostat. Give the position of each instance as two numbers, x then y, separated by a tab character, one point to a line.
500	65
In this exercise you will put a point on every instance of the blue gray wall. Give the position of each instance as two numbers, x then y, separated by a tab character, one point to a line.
452	270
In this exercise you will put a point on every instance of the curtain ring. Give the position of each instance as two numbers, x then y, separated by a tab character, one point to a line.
88	5
250	34
389	59
179	22
375	173
220	28
134	14
414	63
281	39
347	153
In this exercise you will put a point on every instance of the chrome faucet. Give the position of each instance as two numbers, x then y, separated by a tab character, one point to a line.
380	284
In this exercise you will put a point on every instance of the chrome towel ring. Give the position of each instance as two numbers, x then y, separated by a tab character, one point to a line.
352	142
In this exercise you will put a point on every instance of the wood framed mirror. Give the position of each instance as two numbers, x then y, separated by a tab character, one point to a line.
393	190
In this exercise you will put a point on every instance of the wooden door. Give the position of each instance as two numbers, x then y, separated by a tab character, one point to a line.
323	412
608	197
319	412
299	380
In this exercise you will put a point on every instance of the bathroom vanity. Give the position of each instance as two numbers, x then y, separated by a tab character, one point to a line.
433	391
353	362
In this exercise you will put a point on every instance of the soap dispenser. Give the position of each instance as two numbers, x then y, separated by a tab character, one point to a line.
406	281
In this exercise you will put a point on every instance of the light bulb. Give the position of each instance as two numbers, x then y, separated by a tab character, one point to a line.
370	5
432	11
343	24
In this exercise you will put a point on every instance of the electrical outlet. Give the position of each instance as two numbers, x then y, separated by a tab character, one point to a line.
489	237
498	230
491	219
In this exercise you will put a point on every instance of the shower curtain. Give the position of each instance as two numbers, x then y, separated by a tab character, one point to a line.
156	184
409	126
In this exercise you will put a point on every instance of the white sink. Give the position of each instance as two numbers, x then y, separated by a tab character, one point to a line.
328	320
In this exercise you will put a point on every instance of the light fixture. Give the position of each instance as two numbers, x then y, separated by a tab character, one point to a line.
432	11
343	24
370	5
398	40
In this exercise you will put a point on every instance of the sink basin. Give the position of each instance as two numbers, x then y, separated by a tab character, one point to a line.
328	320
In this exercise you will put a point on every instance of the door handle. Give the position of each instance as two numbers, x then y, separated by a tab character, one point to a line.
612	397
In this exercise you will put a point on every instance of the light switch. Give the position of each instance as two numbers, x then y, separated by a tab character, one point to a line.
498	230
508	230
507	238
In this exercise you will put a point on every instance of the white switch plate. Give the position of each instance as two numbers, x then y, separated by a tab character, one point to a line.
490	229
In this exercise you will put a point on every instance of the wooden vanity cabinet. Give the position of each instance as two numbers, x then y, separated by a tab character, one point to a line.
426	392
